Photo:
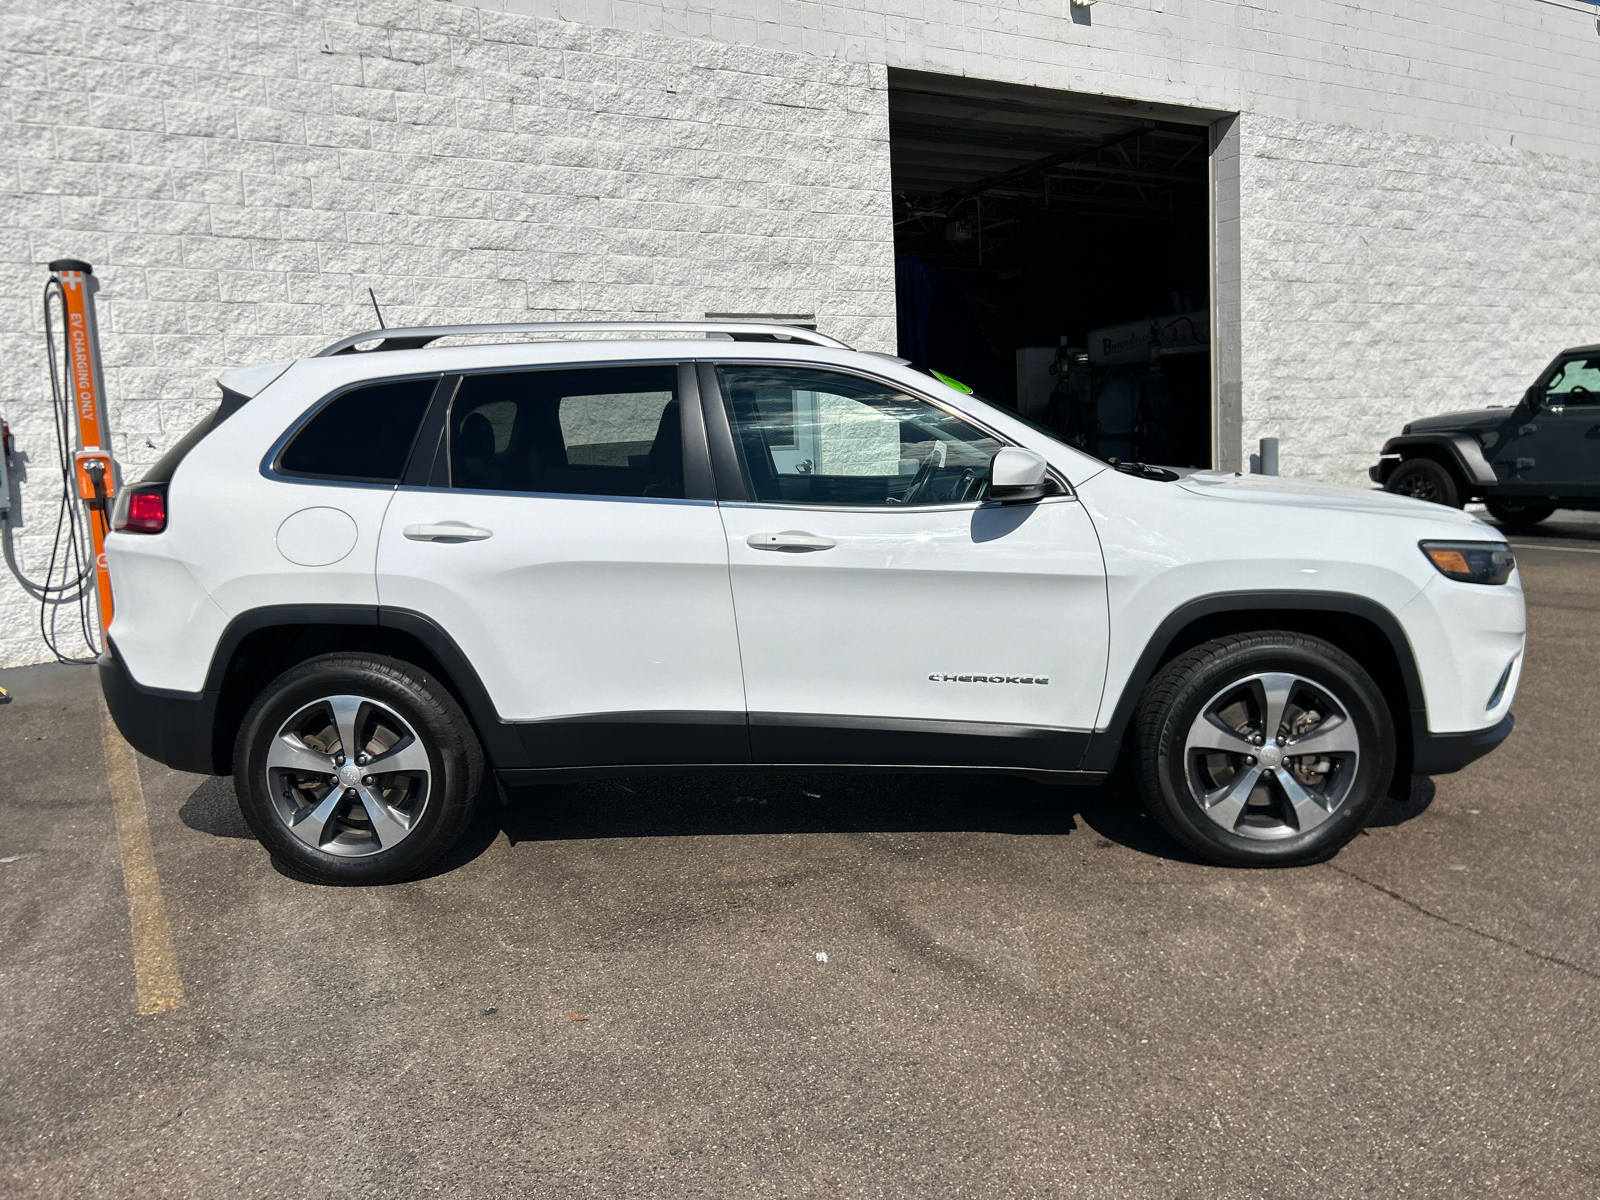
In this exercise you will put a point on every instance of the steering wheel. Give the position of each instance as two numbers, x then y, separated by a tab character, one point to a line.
920	481
967	487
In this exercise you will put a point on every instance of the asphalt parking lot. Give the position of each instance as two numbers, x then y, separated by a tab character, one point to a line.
619	988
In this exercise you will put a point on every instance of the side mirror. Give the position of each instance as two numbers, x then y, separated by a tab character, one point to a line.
1017	476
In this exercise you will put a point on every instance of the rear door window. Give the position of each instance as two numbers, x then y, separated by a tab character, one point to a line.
595	431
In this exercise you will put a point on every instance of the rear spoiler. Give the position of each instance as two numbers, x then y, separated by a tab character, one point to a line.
239	384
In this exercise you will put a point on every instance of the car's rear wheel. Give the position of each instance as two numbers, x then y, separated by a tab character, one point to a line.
356	769
1517	513
1264	749
1424	479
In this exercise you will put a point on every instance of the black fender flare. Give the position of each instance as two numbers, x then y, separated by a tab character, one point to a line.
1462	450
499	739
1106	744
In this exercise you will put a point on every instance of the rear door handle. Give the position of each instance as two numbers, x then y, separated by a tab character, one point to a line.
446	531
789	539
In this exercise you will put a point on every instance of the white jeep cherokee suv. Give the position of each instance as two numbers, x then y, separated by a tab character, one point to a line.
372	576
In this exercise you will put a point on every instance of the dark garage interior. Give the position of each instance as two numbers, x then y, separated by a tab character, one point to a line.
1052	251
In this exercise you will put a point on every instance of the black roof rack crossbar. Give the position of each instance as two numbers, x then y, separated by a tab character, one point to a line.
415	337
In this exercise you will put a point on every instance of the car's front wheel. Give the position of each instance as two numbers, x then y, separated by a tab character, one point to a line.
356	769
1264	749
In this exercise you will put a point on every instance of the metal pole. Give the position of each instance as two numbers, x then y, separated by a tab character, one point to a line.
1269	456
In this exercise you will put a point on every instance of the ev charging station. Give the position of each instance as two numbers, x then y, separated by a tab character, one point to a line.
88	472
94	470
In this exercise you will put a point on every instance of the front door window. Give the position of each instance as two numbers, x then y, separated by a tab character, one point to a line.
818	437
1577	381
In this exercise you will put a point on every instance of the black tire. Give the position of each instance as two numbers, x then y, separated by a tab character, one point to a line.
431	806
1424	479
1169	778
1517	514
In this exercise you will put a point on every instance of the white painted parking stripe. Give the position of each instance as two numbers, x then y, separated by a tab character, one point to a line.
155	960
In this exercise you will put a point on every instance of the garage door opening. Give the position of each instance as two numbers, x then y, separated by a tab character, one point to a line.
1053	252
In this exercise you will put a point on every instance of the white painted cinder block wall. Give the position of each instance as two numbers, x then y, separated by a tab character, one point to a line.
239	177
1391	276
1418	222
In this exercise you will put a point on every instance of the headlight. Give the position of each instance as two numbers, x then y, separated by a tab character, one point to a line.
1472	562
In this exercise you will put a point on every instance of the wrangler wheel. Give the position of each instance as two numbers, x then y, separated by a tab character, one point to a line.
1517	514
1424	479
1267	748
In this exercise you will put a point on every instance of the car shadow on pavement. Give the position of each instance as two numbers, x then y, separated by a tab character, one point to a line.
756	804
214	808
1404	804
841	802
832	802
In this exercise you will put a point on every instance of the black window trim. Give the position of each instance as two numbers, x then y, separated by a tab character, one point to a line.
731	487
431	471
270	464
429	460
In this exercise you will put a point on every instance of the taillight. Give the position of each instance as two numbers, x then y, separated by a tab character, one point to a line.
142	508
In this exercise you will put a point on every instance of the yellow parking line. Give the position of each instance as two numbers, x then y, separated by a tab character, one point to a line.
155	962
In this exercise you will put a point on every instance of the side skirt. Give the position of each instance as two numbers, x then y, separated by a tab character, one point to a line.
819	738
649	743
620	738
545	775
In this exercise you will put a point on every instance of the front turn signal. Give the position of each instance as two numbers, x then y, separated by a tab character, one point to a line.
1472	562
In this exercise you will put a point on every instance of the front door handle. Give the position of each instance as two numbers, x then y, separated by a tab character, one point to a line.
789	539
447	532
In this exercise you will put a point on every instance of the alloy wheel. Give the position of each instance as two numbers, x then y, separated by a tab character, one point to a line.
1271	756
348	776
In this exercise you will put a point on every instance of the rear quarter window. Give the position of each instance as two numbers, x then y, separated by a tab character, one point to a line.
363	435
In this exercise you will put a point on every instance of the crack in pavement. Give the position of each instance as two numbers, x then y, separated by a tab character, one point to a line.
1554	960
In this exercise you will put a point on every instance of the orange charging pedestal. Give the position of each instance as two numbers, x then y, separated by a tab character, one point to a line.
96	473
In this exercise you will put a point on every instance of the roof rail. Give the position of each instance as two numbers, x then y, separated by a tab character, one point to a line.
417	336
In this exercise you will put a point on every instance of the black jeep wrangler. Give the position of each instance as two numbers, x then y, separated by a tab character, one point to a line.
1523	462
